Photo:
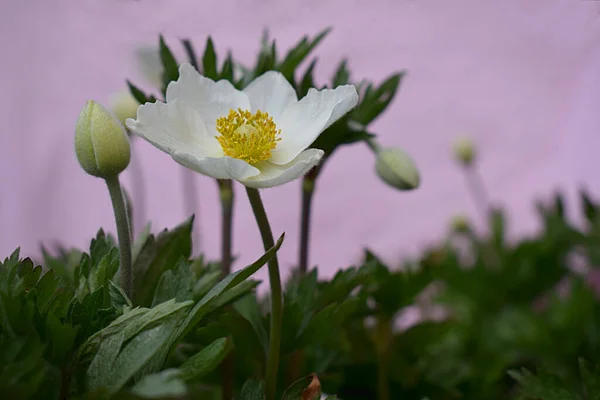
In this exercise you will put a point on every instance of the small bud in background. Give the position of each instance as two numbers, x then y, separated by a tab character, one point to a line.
460	223
396	168
124	106
464	151
101	144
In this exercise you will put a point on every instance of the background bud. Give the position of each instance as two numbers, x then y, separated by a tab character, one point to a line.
464	151
460	223
101	144
396	168
124	106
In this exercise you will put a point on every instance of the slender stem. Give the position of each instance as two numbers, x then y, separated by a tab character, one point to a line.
383	338
226	196
191	204
138	192
123	233
308	190
276	296
478	191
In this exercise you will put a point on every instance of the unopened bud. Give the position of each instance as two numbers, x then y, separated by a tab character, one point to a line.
124	106
464	151
396	168
101	144
460	223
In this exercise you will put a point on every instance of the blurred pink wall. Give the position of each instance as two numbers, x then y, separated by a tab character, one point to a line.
522	77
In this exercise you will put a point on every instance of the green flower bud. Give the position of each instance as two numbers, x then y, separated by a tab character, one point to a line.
101	144
464	151
396	168
124	106
460	223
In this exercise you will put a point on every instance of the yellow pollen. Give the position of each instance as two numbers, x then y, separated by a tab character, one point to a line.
246	136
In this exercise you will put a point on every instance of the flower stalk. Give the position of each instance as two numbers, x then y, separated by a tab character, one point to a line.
276	293
226	197
308	190
123	232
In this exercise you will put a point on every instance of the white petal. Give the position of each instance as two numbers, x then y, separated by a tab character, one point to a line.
275	175
302	122
174	127
217	167
209	98
271	93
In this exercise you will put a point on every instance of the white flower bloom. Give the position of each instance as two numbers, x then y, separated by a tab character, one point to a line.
259	136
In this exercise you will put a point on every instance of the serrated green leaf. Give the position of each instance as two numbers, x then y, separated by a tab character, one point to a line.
209	60
158	255
375	101
299	53
206	360
175	284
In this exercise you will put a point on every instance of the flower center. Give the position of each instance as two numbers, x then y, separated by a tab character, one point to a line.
246	136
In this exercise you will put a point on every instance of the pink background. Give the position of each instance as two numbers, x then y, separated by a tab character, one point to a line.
521	77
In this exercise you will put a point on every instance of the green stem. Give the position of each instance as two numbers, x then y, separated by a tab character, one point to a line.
308	190
478	191
276	295
226	196
191	204
383	338
123	233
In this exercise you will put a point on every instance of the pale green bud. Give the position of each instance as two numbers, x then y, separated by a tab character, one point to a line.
460	223
124	106
396	168
101	144
464	151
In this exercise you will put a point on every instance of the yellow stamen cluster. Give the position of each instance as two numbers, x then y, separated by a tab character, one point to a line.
246	136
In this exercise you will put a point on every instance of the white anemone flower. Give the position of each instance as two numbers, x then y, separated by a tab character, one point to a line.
259	136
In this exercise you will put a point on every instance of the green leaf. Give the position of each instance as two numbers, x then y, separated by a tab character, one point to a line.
175	283
209	60
543	386
299	53
205	305
374	102
158	255
342	75
307	388
249	308
119	299
134	355
191	53
253	390
167	383
591	379
137	93
227	71
171	70
307	81
206	360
